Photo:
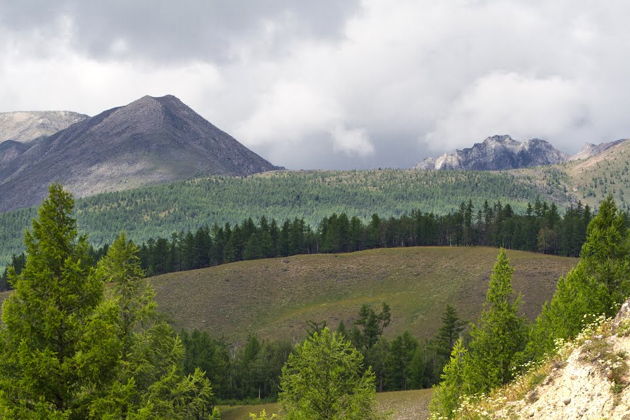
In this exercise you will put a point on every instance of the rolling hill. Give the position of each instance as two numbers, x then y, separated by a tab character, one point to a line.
275	297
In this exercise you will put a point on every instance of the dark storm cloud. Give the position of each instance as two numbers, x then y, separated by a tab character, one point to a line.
165	30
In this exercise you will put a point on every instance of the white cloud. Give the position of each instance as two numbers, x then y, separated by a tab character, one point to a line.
352	141
522	106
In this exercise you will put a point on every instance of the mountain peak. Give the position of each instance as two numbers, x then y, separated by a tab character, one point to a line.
495	153
150	140
499	138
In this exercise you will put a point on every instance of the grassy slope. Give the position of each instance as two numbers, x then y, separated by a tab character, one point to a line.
402	405
275	297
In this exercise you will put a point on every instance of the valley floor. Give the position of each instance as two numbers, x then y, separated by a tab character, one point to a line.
401	405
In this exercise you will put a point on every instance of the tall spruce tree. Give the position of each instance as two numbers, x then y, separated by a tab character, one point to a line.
446	337
498	336
149	380
67	352
59	338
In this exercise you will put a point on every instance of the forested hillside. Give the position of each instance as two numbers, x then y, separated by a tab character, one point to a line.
150	212
159	211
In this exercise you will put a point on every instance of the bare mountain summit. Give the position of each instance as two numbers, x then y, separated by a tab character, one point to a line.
151	140
24	126
496	153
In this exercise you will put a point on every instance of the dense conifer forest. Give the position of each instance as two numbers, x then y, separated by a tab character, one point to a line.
541	229
157	211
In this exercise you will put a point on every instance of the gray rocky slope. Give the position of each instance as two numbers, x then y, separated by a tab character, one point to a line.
24	126
148	141
496	153
590	150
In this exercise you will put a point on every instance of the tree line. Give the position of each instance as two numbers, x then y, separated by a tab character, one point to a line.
540	229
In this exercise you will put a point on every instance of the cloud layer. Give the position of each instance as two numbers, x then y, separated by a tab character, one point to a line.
334	84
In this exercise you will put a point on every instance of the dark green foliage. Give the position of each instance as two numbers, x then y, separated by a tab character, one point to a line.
498	336
447	335
249	372
57	340
67	352
324	379
156	211
496	340
540	229
369	327
597	285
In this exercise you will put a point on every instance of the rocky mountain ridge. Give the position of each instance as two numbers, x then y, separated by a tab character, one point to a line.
502	152
25	126
590	149
496	153
150	140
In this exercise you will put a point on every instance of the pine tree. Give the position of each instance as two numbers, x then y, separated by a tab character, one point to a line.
121	268
148	378
447	395
58	339
449	332
498	336
324	379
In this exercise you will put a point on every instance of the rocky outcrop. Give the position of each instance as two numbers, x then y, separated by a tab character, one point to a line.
496	153
591	381
151	140
589	150
24	126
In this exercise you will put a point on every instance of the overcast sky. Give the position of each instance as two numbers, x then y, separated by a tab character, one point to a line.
334	83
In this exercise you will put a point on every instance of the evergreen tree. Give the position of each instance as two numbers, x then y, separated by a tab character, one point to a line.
498	336
324	379
449	332
447	395
369	327
597	285
58	339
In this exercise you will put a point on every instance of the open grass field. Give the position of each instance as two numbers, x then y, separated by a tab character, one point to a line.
401	405
274	298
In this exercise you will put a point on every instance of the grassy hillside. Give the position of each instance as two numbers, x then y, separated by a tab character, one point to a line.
275	297
401	405
164	209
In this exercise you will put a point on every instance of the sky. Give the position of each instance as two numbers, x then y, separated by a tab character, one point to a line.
334	84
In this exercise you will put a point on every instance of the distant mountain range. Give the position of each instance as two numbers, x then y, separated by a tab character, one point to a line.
502	152
24	126
151	140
